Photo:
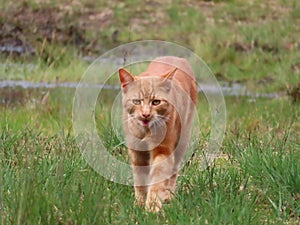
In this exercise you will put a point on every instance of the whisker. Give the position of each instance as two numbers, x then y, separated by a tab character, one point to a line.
166	118
130	118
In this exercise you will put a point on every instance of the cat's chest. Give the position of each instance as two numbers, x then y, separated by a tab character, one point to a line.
145	138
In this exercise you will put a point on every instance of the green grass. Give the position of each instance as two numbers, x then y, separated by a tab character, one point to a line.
45	180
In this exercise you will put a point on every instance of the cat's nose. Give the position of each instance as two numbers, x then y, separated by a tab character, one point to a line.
146	115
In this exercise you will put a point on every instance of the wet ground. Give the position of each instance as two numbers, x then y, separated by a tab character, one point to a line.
20	92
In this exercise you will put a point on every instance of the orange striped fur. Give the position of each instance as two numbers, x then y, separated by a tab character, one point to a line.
158	107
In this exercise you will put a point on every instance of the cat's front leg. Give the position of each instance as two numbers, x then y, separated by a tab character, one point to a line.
140	176
159	189
172	184
140	167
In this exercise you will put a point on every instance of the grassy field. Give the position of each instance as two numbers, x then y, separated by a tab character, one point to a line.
45	180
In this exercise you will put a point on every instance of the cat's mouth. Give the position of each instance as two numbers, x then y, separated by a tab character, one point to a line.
145	122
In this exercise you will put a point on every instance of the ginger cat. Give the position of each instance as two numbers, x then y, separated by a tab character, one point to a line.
158	107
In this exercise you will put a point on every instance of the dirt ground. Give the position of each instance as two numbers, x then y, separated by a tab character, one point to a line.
25	29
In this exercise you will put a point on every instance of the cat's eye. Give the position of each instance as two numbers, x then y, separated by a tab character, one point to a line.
136	101
156	102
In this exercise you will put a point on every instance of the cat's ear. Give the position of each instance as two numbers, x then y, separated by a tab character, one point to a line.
169	75
166	84
125	77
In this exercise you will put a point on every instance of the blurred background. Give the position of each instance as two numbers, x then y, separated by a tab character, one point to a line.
253	42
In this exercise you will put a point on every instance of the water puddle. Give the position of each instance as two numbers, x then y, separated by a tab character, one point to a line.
15	92
39	85
19	49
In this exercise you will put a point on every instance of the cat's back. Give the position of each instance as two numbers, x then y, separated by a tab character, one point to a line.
184	76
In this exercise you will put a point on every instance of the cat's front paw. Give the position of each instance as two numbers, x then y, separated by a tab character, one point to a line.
153	205
139	201
167	196
156	199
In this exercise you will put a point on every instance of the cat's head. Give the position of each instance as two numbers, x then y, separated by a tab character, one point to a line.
146	98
